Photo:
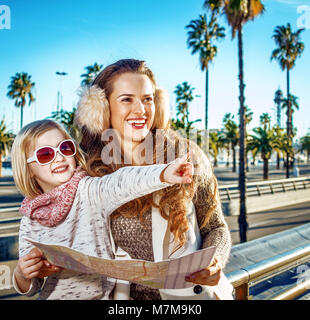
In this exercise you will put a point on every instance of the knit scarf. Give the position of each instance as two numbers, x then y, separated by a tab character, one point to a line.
52	207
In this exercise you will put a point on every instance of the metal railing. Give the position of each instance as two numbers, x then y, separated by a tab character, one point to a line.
244	278
229	192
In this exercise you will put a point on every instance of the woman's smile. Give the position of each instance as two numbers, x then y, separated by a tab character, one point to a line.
138	123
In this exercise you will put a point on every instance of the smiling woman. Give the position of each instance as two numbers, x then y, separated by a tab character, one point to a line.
124	100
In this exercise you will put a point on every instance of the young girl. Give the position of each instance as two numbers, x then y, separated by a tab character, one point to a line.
65	206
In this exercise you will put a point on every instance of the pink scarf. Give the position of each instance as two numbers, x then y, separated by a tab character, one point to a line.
52	207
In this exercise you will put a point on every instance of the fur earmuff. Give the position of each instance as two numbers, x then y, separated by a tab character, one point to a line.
162	110
93	110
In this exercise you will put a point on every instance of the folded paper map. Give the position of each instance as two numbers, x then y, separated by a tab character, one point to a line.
167	274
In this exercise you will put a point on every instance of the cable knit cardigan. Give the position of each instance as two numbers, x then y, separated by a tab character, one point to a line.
85	229
136	238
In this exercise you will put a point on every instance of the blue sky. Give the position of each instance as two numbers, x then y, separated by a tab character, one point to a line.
67	35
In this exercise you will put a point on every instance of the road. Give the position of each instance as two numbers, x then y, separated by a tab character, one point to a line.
271	221
260	224
225	175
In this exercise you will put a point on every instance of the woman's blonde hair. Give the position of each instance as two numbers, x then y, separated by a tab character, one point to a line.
93	118
26	139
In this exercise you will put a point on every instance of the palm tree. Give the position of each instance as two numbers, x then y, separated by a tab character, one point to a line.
248	114
290	107
184	93
184	96
237	13
226	146
67	119
200	38
262	141
20	89
215	144
279	146
6	140
265	120
91	73
288	49
305	145
286	146
231	135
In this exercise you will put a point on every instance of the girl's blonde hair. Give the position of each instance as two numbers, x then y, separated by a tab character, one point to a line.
26	139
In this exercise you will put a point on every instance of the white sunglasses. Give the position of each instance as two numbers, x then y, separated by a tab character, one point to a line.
47	154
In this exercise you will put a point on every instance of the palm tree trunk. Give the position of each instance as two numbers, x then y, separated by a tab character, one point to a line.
278	161
207	111
228	156
246	154
21	115
243	225
279	114
215	162
266	169
234	158
288	122
0	164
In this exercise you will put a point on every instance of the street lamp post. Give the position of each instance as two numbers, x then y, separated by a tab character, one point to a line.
34	106
59	92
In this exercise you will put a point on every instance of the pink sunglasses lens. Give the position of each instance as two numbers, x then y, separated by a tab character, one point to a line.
45	155
67	148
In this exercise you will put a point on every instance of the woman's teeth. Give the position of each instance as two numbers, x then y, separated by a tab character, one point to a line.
137	123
